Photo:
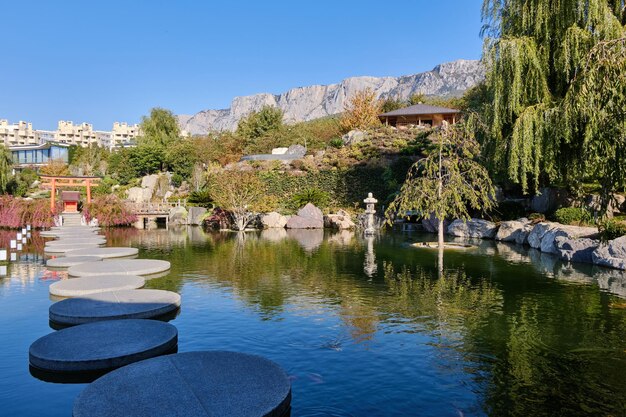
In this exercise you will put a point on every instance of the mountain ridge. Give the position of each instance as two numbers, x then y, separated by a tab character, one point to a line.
315	101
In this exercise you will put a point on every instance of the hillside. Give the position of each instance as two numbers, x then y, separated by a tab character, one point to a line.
312	102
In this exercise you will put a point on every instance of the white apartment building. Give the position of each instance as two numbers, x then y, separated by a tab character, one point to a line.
17	134
82	134
123	134
22	133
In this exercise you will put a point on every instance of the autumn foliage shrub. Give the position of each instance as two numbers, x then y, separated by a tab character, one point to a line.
17	212
110	211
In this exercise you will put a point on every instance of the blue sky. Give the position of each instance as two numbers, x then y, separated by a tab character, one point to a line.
113	60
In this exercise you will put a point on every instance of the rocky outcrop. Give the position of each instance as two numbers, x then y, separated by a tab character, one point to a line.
178	216
612	254
273	220
514	231
339	221
196	215
544	234
473	228
548	199
308	217
139	195
313	102
576	250
431	224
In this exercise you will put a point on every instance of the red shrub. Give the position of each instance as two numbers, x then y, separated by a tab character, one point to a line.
110	210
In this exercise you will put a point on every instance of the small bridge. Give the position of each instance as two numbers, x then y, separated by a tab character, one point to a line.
149	214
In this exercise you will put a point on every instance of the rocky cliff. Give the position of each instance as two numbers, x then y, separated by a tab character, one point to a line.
308	103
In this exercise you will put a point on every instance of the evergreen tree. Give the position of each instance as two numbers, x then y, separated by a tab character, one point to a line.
546	86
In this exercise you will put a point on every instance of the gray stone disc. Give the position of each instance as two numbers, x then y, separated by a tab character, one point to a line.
68	247
192	384
121	266
105	253
114	305
77	287
67	261
103	345
69	242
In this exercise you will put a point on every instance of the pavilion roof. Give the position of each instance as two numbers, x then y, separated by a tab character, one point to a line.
420	109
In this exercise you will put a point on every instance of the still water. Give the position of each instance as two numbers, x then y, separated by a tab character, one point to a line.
364	327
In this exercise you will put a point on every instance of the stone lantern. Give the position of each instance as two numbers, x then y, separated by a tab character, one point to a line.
370	201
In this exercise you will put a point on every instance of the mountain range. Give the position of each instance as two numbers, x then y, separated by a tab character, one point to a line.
312	102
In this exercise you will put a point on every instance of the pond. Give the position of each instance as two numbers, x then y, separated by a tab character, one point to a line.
364	327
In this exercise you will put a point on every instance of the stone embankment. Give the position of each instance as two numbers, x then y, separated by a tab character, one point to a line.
570	243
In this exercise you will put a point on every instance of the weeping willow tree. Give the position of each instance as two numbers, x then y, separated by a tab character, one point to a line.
448	181
551	113
5	168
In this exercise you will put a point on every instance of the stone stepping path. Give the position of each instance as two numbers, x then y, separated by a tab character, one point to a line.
62	248
64	233
67	261
114	305
77	241
77	287
105	253
122	266
193	384
102	346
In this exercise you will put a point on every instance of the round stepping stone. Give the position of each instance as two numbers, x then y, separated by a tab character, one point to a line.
77	287
103	345
76	241
105	253
128	304
121	266
67	261
68	247
193	384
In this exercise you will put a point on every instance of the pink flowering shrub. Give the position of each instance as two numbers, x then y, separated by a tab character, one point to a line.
110	211
16	212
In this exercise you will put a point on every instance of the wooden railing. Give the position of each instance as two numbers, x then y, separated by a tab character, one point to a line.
156	207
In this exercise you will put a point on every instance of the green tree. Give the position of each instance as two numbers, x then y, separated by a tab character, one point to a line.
90	160
238	192
447	181
121	167
260	123
147	158
180	158
554	69
160	128
6	163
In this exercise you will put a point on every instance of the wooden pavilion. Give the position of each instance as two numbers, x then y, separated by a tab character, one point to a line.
420	115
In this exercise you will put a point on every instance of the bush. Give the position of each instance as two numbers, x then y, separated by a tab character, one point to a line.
336	143
573	215
200	198
110	211
314	196
536	217
611	229
17	212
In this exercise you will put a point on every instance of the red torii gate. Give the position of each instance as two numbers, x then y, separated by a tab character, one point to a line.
54	182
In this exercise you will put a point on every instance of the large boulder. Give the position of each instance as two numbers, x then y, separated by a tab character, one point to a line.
548	200
273	220
514	231
475	228
352	137
150	182
339	221
544	234
178	216
612	254
139	195
308	217
576	250
196	215
296	150
431	224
